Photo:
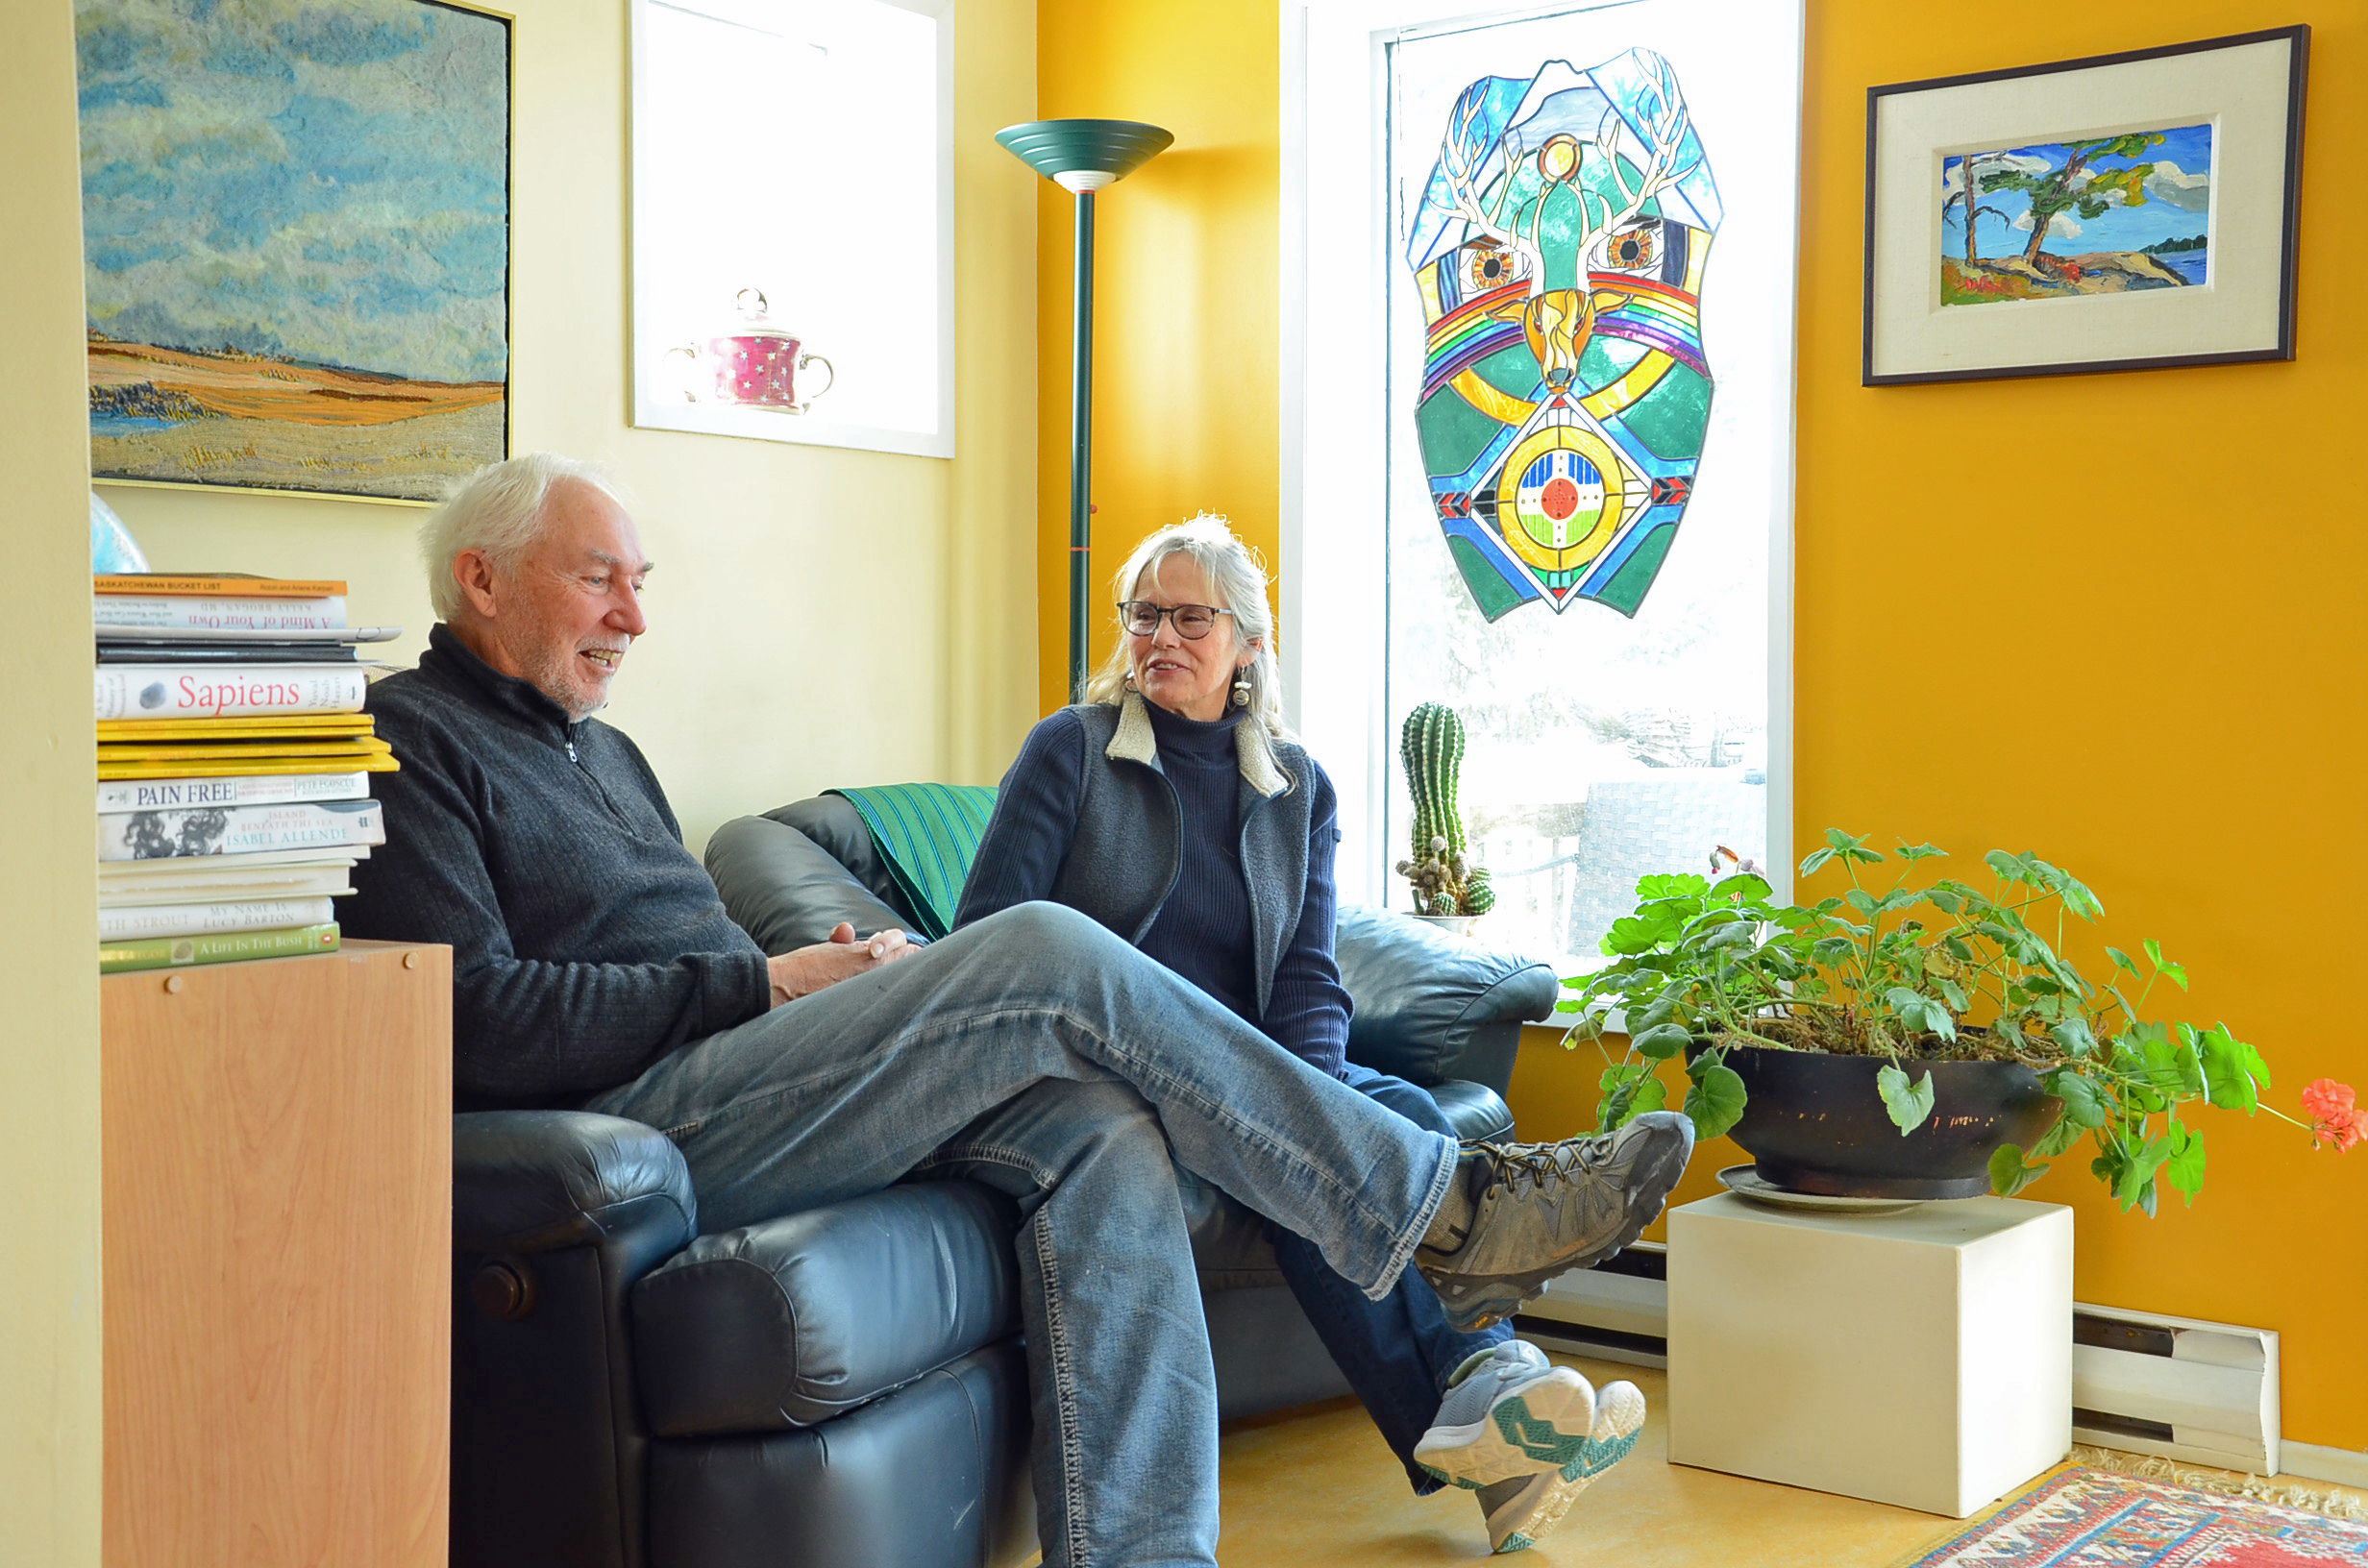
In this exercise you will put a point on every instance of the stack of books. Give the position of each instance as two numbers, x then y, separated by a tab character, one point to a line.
234	764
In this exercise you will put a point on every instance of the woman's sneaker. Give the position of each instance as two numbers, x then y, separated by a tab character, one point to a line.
1521	1512
1517	1214
1509	1413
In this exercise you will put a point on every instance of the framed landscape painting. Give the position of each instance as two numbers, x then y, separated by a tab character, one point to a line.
296	243
2120	212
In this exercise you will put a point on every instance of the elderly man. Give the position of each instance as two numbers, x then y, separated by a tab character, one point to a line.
594	967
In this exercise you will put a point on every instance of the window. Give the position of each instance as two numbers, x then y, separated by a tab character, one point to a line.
793	184
1577	281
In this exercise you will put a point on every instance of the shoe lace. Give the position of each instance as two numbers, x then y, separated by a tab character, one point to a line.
1519	1165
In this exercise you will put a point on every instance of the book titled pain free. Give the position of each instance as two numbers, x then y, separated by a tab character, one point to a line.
238	830
167	691
247	790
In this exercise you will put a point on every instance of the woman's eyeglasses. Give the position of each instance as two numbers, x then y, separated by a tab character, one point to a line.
1193	622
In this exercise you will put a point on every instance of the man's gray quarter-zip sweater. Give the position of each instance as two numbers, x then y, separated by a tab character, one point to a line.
586	941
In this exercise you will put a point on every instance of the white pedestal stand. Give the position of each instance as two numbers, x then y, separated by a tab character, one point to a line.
1921	1358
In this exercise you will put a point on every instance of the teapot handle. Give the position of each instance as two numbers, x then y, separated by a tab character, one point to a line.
689	351
806	359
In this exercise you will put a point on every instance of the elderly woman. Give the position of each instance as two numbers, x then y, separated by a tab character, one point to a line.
1172	806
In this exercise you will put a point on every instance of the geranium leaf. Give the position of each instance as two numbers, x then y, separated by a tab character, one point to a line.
2009	1173
1715	1101
1907	1103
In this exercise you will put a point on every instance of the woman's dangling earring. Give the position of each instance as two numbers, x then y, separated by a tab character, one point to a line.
1131	678
1241	687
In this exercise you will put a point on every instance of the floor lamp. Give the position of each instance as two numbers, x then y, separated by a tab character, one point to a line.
1083	157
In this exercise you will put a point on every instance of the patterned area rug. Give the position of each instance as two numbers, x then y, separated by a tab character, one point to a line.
2084	1518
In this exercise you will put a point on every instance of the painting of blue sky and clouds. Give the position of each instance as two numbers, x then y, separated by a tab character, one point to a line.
296	240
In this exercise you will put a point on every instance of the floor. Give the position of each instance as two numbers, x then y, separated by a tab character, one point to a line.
1316	1488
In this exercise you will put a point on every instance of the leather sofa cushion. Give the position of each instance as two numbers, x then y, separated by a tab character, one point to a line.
786	891
1422	992
1230	1248
789	1323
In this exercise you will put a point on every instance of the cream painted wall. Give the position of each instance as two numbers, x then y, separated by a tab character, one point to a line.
49	1049
819	617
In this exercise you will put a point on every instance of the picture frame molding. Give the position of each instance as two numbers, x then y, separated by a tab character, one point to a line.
509	300
2297	36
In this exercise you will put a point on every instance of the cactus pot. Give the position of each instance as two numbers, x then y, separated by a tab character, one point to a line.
1461	924
1815	1123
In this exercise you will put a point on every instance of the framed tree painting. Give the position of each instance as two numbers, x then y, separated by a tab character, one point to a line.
2120	212
296	243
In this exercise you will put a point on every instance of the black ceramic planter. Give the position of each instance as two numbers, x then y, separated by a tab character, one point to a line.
1815	1123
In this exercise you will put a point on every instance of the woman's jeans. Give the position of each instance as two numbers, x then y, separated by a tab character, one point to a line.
1038	1053
1399	1352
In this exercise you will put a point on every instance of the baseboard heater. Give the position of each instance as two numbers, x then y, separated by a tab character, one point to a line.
1618	1310
2202	1392
2142	1383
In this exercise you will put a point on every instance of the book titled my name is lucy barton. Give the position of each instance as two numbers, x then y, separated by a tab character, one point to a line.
238	830
180	691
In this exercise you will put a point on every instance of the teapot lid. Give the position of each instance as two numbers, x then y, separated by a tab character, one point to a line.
752	320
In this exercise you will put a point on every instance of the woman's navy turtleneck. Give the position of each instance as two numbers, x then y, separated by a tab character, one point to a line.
1203	930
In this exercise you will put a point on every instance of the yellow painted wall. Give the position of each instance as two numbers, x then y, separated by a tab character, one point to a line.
2106	618
1186	361
49	1046
820	617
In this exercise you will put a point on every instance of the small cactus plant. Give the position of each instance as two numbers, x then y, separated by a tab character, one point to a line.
1445	881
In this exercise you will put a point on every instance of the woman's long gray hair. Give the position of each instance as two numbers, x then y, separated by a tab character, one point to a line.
1240	581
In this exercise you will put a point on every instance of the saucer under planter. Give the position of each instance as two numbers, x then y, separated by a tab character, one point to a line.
1815	1123
1461	924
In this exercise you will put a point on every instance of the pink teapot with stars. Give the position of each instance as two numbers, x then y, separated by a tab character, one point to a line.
753	363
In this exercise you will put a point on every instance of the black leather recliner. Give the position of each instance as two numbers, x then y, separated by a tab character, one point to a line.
843	1387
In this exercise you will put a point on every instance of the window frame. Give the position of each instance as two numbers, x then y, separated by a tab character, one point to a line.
647	380
1334	588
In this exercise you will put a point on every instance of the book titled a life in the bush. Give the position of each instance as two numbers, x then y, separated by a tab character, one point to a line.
238	830
250	789
169	952
168	691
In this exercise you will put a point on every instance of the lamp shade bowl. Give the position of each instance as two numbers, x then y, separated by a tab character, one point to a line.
1084	154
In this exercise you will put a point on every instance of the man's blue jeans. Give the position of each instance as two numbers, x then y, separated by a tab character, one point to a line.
1037	1051
1397	1352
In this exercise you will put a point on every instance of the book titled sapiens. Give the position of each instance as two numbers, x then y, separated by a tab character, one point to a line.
238	830
169	691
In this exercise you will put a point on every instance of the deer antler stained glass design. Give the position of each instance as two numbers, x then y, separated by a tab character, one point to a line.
1559	253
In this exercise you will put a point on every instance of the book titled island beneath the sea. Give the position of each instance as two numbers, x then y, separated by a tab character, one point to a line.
238	830
167	690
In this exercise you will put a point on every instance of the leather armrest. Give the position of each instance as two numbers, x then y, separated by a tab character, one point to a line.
792	1321
786	891
1426	999
1477	1112
535	1181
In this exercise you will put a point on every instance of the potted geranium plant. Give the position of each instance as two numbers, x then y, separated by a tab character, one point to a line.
1918	1042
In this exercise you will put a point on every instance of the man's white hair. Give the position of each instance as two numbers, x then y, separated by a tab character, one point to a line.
498	509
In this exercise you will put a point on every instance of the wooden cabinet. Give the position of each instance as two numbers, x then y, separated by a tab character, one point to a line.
277	1139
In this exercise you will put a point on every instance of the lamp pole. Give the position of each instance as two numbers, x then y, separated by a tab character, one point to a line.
1081	448
1083	157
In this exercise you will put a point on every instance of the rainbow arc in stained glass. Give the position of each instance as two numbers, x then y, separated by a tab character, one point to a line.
1558	253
